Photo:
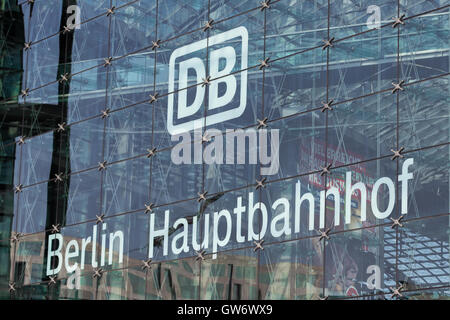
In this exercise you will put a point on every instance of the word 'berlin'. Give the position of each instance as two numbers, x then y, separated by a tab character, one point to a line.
220	234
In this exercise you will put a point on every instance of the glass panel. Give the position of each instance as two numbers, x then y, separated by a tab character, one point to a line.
90	9
232	159
301	232
131	80
82	249
44	110
7	206
252	21
186	90
224	9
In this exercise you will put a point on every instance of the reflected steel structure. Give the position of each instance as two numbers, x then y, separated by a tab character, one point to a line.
84	135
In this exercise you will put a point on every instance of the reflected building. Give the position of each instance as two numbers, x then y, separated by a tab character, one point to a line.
92	94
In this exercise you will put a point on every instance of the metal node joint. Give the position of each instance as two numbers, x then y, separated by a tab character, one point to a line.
146	264
398	21
61	127
12	287
56	228
107	61
154	97
262	123
64	78
16	237
208	25
151	152
105	113
396	292
327	106
200	255
258	245
100	218
149	207
202	196
264	63
265	5
59	177
261	183
67	30
98	273
21	140
25	93
111	11
102	166
206	81
52	280
206	138
398	86
156	44
18	188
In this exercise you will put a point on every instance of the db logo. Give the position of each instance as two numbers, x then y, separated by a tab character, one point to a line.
227	94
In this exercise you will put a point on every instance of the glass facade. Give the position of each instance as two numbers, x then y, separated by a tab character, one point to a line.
224	149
